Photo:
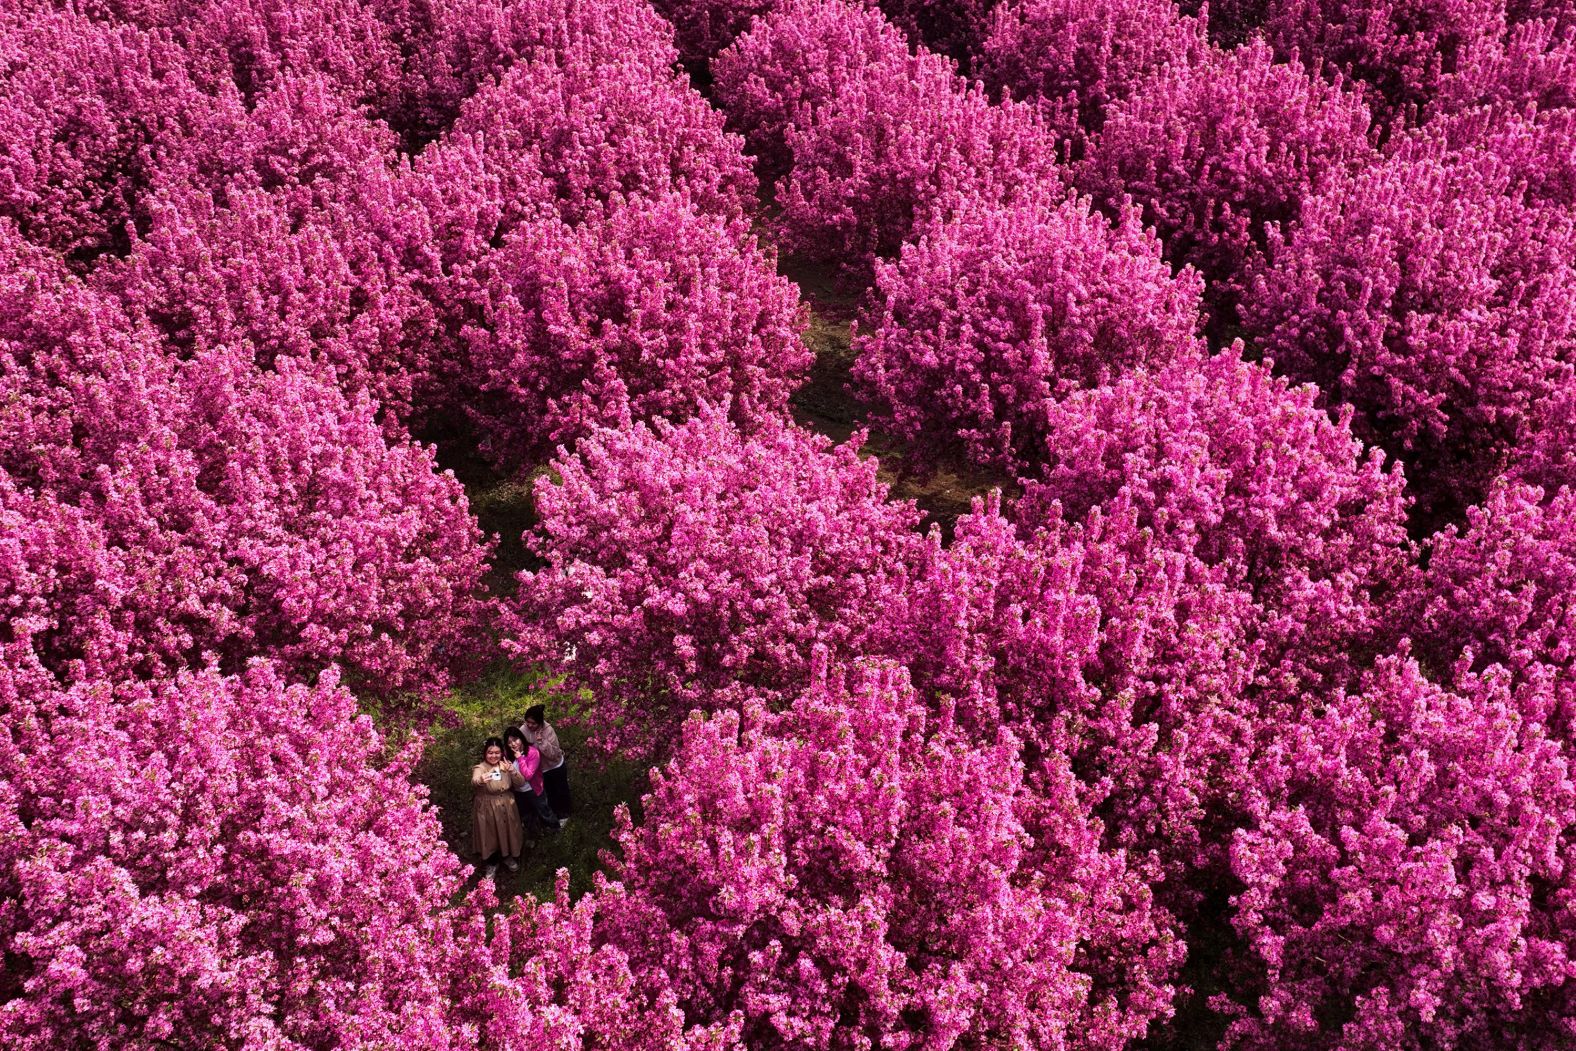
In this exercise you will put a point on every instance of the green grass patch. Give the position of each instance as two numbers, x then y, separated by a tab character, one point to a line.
485	709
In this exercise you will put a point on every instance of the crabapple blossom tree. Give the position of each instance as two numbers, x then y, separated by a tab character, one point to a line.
576	989
1406	874
257	44
1533	64
649	311
1431	295
330	287
597	130
857	870
1226	461
581	137
1546	455
1275	135
867	138
478	40
1075	59
285	227
85	105
1532	149
696	564
991	316
1562	12
225	860
1100	641
794	60
184	512
895	147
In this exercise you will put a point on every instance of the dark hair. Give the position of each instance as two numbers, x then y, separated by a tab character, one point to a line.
513	734
536	714
494	741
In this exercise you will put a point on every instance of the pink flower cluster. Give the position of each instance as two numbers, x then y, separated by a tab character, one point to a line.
1534	63
1398	50
650	312
589	259
875	140
292	239
596	130
219	860
795	61
1430	294
1498	587
1406	872
695	565
178	513
1096	641
1274	136
1232	462
988	319
1077	58
856	868
85	106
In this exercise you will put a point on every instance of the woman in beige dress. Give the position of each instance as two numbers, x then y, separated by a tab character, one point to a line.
495	820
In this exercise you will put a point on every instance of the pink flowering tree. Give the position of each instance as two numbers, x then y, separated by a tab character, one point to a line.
794	60
988	318
197	511
223	860
248	277
1274	136
579	138
1405	877
1227	462
855	869
598	130
577	989
695	565
1103	642
62	344
467	203
300	142
895	147
285	228
650	311
454	47
868	139
1397	50
1561	12
1075	59
1430	295
85	105
1498	591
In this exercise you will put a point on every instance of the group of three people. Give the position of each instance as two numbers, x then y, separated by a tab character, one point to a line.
523	772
